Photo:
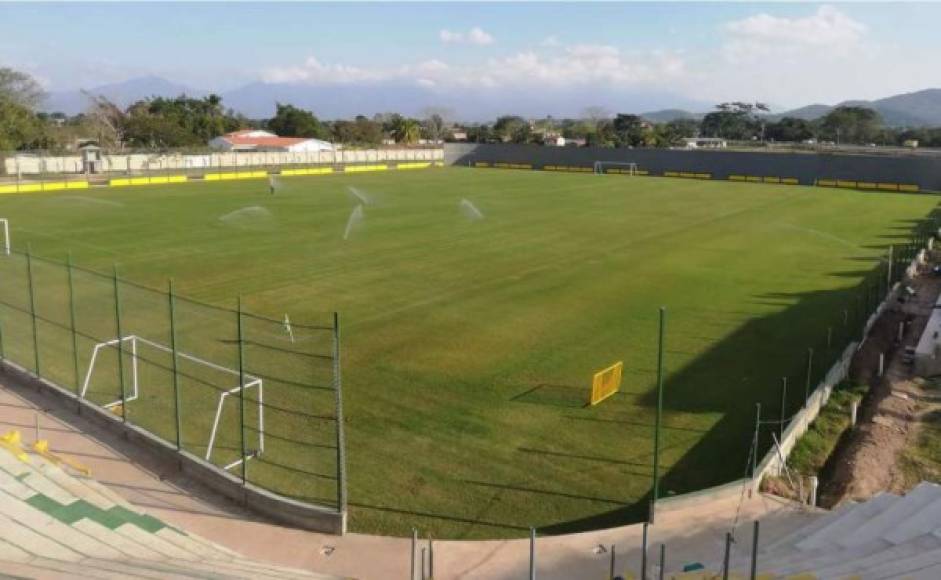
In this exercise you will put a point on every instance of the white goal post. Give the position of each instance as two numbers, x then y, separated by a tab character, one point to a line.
622	167
134	342
5	226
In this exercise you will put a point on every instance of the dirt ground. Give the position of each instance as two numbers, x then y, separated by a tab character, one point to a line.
870	458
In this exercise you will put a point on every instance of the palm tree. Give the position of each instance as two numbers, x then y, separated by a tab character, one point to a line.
406	130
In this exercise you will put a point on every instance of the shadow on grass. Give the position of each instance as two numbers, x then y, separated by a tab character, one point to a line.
554	396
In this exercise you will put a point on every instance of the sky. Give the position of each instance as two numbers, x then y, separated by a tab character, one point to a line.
786	54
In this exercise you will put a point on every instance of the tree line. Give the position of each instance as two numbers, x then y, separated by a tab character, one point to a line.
184	122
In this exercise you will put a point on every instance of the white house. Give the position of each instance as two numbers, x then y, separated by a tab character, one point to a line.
258	140
705	143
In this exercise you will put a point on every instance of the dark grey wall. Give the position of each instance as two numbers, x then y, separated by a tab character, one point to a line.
805	167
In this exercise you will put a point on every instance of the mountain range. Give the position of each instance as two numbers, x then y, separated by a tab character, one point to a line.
917	109
257	100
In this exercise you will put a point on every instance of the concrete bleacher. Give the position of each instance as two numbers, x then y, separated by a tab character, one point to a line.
58	521
888	536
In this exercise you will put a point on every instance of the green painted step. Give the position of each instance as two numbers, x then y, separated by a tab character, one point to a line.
79	509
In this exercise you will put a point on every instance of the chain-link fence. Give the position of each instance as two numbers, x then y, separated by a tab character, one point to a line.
256	396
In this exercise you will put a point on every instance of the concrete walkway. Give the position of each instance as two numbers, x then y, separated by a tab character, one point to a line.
693	534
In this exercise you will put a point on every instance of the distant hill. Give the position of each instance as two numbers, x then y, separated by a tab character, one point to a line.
667	115
122	94
918	109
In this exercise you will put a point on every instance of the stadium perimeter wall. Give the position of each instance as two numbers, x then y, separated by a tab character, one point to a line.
838	170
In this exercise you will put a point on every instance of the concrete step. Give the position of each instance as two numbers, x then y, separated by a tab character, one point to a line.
894	515
837	529
924	521
127	546
904	567
857	563
802	532
70	484
155	543
12	553
186	542
26	474
28	516
33	543
163	569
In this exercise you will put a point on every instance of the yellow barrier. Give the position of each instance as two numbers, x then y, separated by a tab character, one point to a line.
736	178
156	180
481	164
753	179
606	382
307	171
908	188
826	183
364	168
119	182
845	183
772	180
413	165
42	448
888	186
790	181
12	442
866	185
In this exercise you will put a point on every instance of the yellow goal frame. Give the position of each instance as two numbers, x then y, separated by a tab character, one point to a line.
606	382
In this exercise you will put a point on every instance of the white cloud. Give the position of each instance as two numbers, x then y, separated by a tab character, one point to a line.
828	31
550	41
584	64
475	35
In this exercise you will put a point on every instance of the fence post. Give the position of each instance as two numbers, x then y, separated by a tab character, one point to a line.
174	367
725	556
117	324
659	418
340	438
241	389
754	456
810	369
613	563
643	553
32	308
411	568
532	553
754	553
663	560
783	407
72	326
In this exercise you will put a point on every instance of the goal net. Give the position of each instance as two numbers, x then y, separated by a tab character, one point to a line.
617	167
225	406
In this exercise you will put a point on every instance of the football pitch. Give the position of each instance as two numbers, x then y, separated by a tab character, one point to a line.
477	304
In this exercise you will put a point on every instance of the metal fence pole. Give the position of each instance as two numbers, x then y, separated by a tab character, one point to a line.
754	552
754	455
663	560
174	367
613	563
340	437
431	558
117	325
643	552
411	568
810	369
32	308
659	418
532	553
241	341
725	557
72	326
2	358
783	407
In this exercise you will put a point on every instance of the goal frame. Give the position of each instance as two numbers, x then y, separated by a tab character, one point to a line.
5	226
250	381
600	165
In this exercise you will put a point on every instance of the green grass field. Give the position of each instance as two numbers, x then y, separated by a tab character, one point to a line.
469	340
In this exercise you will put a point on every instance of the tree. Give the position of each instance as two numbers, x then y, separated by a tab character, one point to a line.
406	130
851	125
507	127
435	127
106	119
20	88
629	130
790	129
290	121
736	120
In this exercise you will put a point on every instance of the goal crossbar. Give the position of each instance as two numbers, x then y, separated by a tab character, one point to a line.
248	381
629	167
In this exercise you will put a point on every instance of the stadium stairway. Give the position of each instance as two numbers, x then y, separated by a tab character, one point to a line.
57	521
888	536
